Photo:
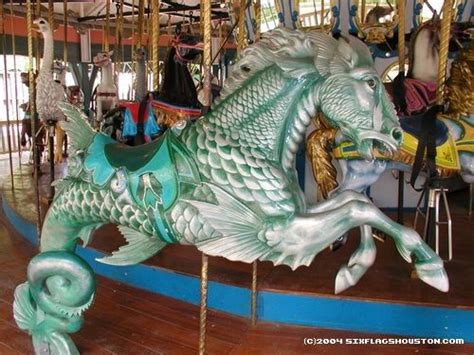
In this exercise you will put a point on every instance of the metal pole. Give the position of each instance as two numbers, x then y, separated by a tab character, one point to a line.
12	27
31	79
254	293
156	44
203	309
401	71
9	140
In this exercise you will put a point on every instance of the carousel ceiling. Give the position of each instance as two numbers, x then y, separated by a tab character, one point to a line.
93	14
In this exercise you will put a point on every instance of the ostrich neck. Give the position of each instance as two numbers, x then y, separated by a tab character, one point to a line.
107	74
48	52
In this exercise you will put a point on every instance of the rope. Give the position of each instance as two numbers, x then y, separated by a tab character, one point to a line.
156	44
241	28
203	309
12	27
401	36
443	50
207	53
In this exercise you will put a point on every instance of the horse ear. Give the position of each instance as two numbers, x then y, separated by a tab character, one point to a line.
111	53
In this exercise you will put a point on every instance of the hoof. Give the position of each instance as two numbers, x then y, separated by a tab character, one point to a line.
433	274
344	280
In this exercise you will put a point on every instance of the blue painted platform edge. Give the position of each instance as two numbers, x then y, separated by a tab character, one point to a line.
317	311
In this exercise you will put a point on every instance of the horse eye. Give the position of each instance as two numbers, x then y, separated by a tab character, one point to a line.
371	83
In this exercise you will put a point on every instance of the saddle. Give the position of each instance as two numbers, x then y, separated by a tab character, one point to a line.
414	126
131	158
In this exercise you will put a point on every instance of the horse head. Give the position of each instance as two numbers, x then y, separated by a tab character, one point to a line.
103	59
140	55
360	108
318	74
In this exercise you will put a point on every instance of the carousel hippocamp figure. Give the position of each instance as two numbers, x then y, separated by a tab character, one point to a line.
226	184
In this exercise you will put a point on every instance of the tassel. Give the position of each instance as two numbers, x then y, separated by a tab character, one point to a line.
151	127
399	94
129	126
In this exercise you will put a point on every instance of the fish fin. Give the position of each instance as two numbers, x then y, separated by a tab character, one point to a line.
237	226
86	232
76	127
139	247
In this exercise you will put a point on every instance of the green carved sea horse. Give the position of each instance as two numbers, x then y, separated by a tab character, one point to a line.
226	184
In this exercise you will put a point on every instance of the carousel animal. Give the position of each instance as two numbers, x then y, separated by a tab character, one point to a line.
226	184
49	93
453	131
378	13
178	98
133	122
106	96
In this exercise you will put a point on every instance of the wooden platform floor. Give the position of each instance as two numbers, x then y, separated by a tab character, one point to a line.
383	281
125	320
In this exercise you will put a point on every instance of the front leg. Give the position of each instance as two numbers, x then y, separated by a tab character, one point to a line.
306	235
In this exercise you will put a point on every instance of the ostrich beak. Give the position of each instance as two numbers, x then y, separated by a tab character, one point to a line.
35	25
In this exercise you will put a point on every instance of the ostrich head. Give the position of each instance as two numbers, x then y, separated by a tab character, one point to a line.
42	25
102	59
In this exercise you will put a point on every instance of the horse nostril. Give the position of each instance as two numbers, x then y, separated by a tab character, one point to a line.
397	134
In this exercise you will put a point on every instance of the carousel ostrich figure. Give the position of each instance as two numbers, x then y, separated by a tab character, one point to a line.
140	79
49	92
106	94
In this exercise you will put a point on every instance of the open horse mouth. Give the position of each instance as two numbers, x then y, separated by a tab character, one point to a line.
384	143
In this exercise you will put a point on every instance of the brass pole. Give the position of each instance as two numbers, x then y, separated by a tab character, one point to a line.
119	37
51	14
401	73
32	106
401	36
253	305
241	27
65	56
207	55
132	50
107	26
156	44
141	17
322	14
7	99
258	19
443	50
12	27
362	10
203	309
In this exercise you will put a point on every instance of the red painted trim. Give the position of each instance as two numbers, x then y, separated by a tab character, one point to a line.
19	28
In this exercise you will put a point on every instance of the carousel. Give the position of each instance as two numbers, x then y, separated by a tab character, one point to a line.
219	176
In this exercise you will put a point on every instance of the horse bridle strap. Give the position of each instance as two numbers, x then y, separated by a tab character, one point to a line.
106	94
